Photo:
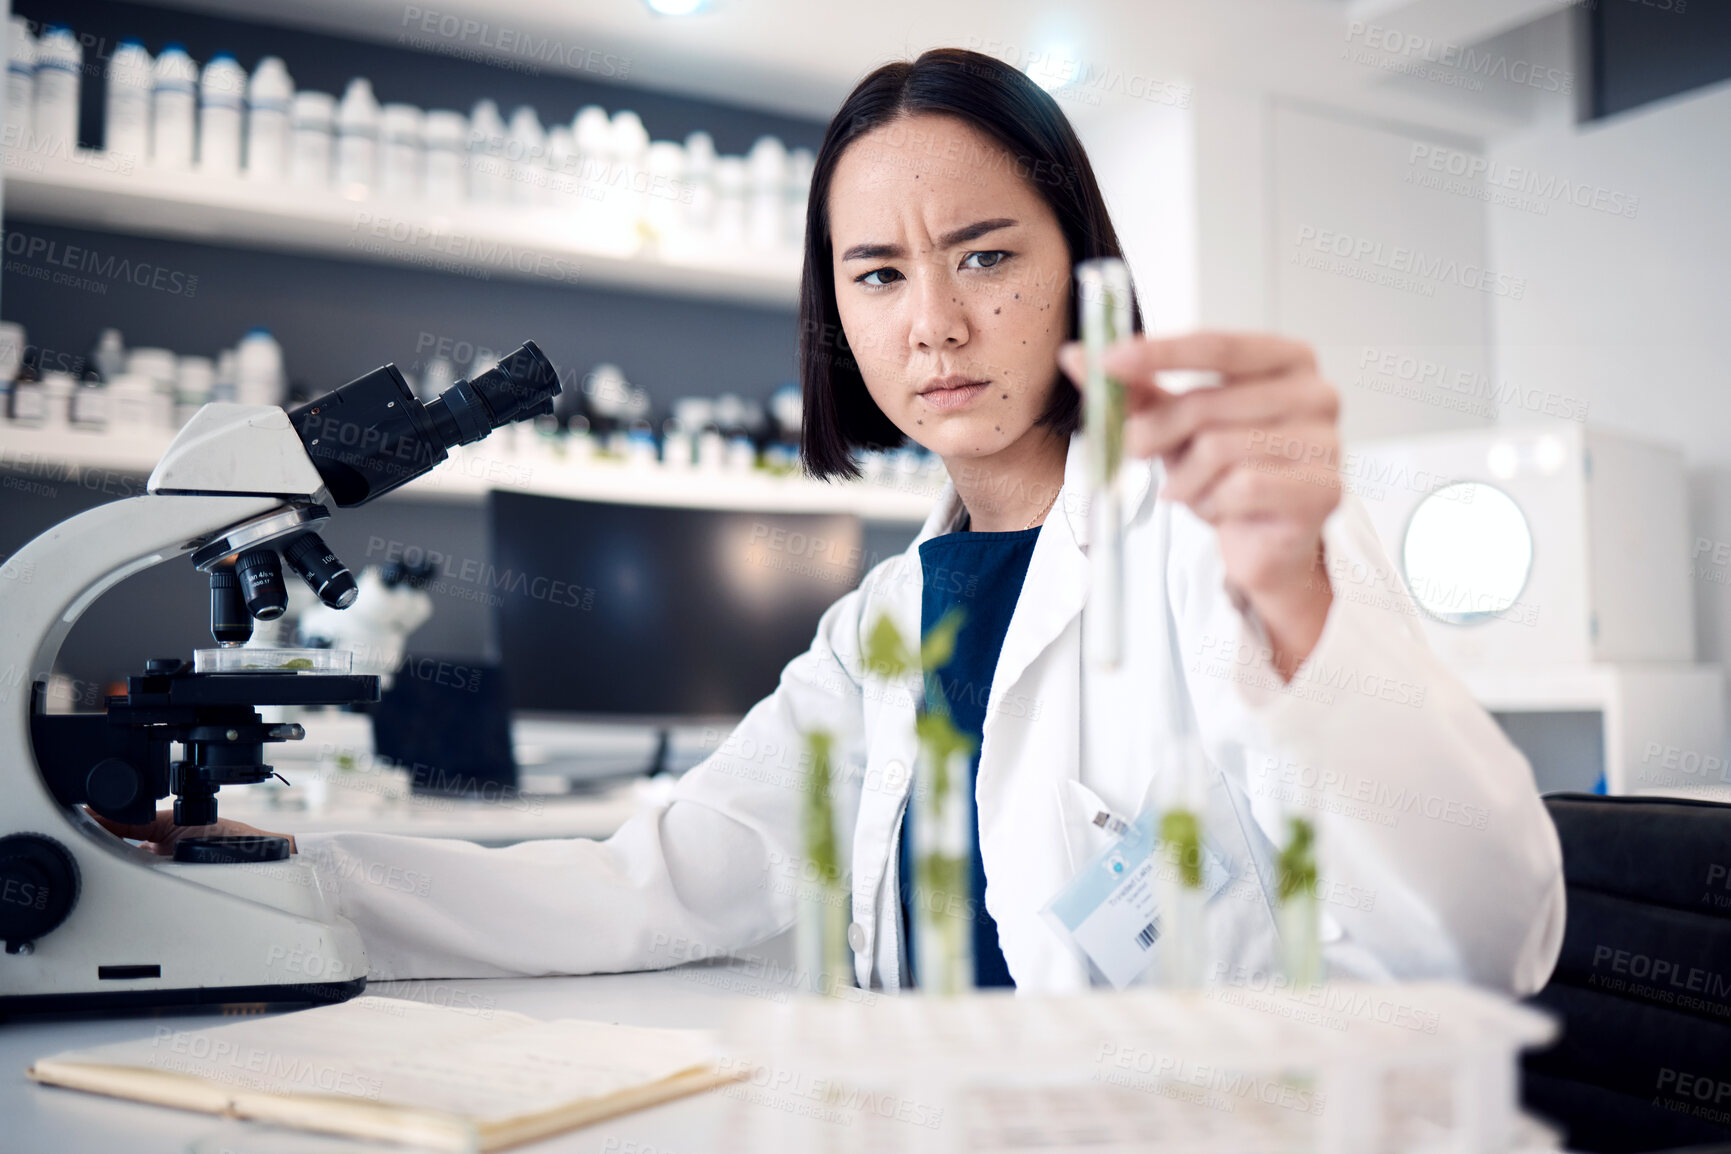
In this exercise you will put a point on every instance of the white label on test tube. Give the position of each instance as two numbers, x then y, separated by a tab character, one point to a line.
1103	286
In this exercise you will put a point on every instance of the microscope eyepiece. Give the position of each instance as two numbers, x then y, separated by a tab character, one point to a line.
308	555
261	583
523	384
372	434
230	623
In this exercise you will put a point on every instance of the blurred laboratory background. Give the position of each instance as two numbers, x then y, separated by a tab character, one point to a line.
1502	225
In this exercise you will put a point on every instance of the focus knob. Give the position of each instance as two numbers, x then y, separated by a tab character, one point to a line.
38	887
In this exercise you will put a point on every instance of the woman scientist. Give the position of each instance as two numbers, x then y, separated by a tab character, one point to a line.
950	202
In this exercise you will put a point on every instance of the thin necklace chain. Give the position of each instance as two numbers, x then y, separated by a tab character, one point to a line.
1042	512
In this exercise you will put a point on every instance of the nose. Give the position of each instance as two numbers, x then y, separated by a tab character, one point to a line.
939	321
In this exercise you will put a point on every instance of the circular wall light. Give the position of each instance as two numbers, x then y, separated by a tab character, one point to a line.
1467	553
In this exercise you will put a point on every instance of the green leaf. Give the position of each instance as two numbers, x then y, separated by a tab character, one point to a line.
1181	834
819	816
886	654
1297	862
940	739
939	643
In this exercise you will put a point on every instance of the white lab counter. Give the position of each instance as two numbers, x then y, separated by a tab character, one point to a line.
702	995
576	781
50	1120
496	821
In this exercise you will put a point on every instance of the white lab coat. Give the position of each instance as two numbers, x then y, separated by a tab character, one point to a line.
1437	857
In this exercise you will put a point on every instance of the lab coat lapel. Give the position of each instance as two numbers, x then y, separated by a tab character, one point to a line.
1056	586
1031	745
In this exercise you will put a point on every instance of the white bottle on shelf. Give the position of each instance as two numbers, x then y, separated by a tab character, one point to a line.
625	192
57	389
402	153
526	153
800	163
592	136
561	167
728	232
159	367
269	98
446	134
765	227
700	181
173	110
89	406
195	382
109	356
258	369
663	207
20	83
227	368
357	140
126	110
221	95
313	120
134	403
489	175
59	63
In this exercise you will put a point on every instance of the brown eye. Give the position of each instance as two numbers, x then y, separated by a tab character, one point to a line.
865	278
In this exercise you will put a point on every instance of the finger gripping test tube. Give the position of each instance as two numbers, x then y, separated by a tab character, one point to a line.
1103	289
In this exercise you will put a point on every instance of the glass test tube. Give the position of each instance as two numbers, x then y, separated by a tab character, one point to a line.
1103	288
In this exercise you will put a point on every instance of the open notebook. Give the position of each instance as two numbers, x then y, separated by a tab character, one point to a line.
441	1077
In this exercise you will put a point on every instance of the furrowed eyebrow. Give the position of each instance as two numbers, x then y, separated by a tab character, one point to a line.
958	236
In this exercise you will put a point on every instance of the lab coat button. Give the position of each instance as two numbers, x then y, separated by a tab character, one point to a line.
856	938
895	775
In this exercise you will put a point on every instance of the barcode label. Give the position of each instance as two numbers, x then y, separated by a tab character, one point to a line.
1112	824
1147	936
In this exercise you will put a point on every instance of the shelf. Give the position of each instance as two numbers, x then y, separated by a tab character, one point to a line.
51	457
538	245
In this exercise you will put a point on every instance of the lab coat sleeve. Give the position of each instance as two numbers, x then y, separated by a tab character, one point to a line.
696	877
1437	857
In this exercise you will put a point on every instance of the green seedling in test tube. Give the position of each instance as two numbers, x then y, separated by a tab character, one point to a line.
1181	834
1103	292
1299	914
820	933
1181	961
943	818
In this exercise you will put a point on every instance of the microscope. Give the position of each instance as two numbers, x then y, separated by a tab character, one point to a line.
89	921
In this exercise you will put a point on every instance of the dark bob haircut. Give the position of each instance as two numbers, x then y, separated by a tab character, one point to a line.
998	100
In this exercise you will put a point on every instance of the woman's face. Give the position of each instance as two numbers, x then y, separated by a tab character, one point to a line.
952	279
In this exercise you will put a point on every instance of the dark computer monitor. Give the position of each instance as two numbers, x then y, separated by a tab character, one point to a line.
657	614
447	722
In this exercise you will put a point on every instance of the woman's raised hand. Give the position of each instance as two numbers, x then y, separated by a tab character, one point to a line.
1258	458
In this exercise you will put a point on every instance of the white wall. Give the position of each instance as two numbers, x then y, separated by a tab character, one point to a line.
1631	315
1310	224
1143	155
